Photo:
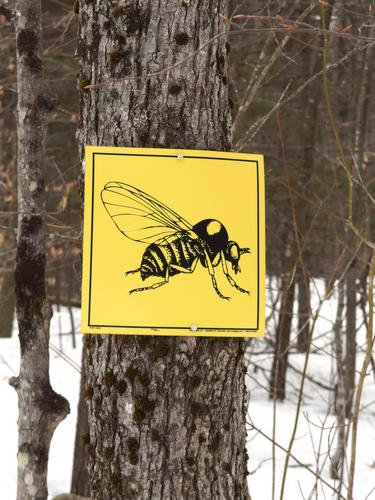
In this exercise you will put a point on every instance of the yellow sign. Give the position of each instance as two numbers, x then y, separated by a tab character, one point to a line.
173	243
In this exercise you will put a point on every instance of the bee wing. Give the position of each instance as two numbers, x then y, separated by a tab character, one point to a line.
139	216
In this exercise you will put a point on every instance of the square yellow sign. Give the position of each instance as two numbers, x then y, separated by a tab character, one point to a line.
174	243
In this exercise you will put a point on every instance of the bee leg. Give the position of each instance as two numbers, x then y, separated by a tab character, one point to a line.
132	271
214	284
229	277
155	285
212	274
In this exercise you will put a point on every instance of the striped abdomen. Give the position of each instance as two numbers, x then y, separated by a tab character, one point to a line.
157	258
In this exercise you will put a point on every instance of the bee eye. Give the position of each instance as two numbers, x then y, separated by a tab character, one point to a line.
233	251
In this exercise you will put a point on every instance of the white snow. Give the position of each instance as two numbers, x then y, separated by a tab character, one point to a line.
315	433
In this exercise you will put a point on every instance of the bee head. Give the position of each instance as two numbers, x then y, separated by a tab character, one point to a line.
233	253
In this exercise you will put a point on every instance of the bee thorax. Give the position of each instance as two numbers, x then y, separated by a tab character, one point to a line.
213	233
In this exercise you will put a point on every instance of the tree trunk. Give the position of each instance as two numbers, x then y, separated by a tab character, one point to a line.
350	344
309	128
8	136
280	360
338	456
80	477
166	415
40	408
304	309
7	305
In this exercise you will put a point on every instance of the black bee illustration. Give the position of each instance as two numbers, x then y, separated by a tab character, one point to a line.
174	245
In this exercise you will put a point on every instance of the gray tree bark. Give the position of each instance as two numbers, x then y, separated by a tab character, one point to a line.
40	408
166	415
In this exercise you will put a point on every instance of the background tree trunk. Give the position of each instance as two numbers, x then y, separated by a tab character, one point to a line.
350	338
80	477
304	310
280	360
40	408
166	415
8	140
338	456
7	305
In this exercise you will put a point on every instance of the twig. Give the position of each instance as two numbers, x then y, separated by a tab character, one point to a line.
66	358
255	127
254	83
301	464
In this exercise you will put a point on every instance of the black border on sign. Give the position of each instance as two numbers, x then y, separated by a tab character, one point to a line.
200	329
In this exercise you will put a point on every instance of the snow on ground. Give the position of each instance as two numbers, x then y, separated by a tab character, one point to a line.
311	442
310	447
316	428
